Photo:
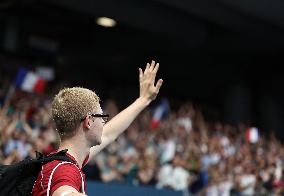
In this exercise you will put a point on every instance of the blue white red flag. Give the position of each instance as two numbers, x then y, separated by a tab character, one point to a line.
29	81
161	111
252	135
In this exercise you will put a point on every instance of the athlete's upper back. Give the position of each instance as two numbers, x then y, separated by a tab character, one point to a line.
58	173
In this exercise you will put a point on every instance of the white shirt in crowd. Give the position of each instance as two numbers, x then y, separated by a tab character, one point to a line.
168	151
174	177
248	180
221	189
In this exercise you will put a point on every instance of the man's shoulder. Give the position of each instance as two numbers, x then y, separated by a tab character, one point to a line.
59	173
60	168
58	164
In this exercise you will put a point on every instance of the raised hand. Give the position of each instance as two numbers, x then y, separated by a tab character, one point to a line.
148	89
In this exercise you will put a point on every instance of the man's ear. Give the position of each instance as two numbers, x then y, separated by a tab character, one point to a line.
86	123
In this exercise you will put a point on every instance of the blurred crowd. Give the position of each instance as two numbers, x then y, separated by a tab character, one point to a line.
185	152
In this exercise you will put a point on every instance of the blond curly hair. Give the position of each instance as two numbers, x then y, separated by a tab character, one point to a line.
71	105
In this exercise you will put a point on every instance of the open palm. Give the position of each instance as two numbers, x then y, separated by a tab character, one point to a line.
148	89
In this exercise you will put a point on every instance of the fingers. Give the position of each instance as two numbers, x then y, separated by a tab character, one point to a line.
152	66
158	85
150	74
153	71
140	74
156	68
147	69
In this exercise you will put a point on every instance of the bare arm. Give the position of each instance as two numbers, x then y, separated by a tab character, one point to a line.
67	191
148	92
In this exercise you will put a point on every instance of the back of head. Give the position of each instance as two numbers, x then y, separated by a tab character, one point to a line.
71	105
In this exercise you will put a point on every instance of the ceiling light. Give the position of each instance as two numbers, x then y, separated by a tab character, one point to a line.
105	22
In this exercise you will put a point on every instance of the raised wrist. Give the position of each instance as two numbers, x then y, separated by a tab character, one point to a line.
143	102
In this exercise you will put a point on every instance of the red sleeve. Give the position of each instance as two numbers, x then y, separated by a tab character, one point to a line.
66	174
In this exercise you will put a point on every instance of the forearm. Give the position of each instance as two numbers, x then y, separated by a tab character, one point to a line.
67	191
72	194
119	123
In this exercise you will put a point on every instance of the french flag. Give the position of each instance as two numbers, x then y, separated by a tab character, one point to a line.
160	112
252	135
29	81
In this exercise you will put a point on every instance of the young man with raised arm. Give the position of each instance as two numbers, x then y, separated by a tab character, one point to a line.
80	123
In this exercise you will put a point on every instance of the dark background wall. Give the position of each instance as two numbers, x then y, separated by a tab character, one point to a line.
224	55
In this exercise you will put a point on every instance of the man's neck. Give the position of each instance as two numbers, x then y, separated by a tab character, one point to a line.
77	149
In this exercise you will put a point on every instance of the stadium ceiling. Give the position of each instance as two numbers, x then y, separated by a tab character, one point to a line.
206	41
220	25
254	25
